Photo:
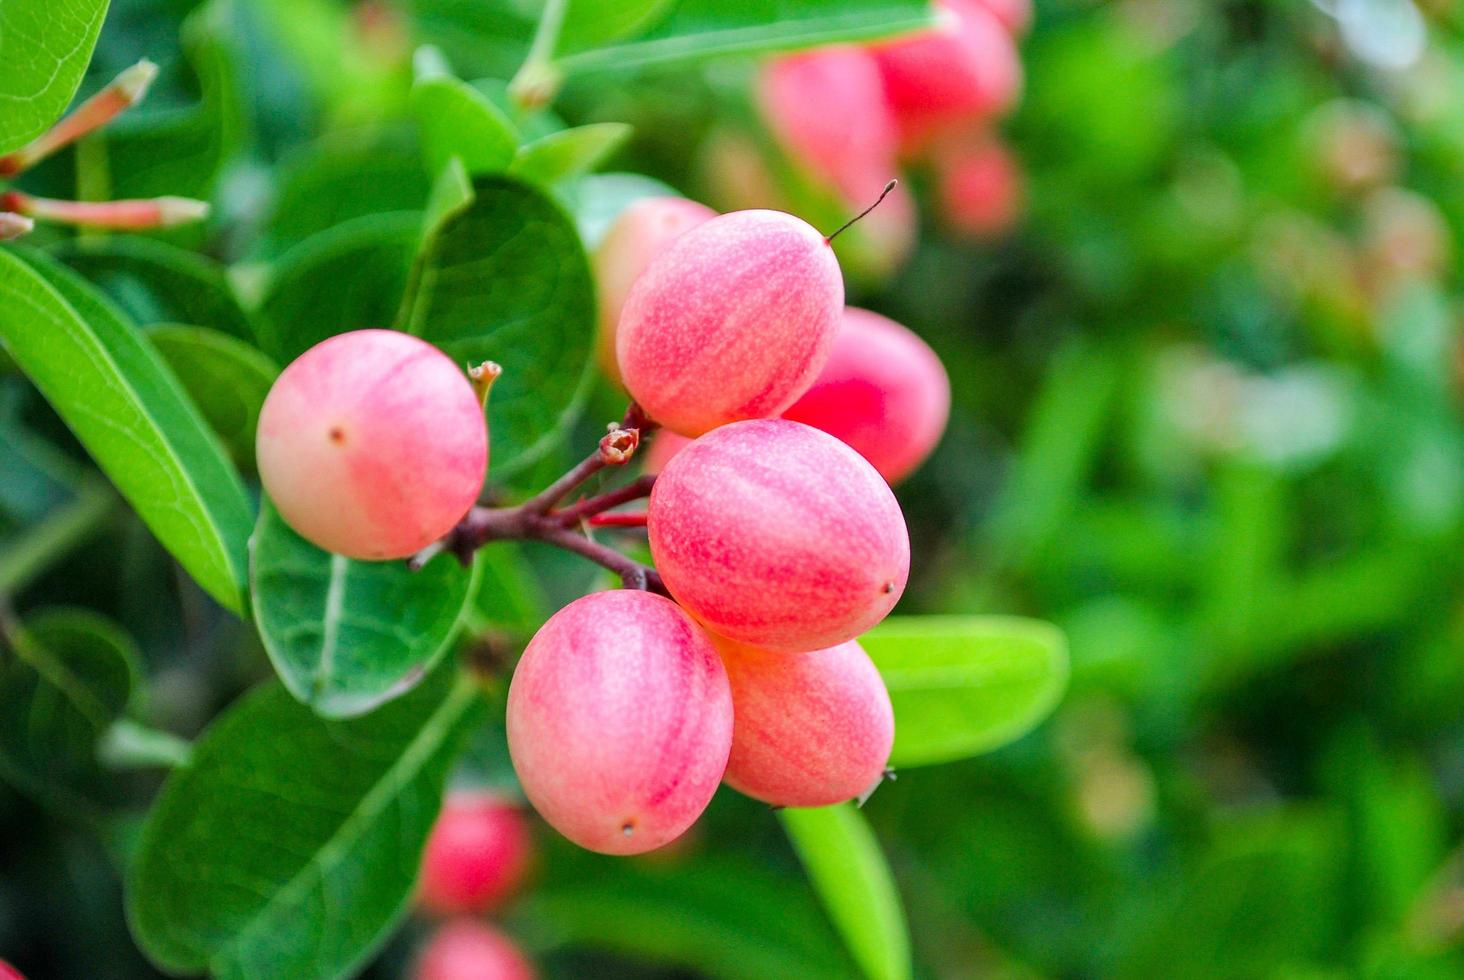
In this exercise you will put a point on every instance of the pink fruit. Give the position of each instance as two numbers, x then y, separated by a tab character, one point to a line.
810	729
372	444
732	320
8	972
883	392
620	721
640	232
964	71
827	110
979	186
663	446
466	949
1015	15
476	856
775	534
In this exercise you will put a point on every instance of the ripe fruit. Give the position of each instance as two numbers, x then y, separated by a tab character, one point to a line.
1015	15
732	320
810	729
636	236
979	184
883	391
828	111
963	71
372	444
775	534
620	721
476	856
663	446
465	949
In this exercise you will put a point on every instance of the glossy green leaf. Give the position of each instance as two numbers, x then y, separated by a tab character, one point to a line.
130	413
70	677
350	277
290	844
154	282
346	635
569	152
226	378
849	872
508	597
697	29
588	23
503	277
45	46
962	685
456	120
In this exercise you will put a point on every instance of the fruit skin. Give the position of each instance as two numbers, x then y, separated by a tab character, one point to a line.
663	446
809	729
8	972
775	534
635	237
963	71
476	856
466	949
883	392
619	715
372	444
1015	15
732	320
979	184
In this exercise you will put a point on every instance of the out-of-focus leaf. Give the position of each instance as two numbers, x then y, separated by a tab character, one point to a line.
68	678
598	199
568	153
289	845
45	46
154	282
346	635
503	277
350	277
226	378
849	872
961	685
588	23
132	416
508	596
456	120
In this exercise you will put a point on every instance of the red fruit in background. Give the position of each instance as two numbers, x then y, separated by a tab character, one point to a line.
978	186
476	856
466	949
635	237
809	729
827	109
964	71
8	972
372	444
732	320
883	392
1015	15
775	534
620	721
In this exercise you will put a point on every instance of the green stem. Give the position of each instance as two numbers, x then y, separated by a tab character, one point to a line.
538	80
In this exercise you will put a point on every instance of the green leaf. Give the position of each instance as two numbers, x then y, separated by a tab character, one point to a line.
569	152
589	23
347	278
154	282
962	685
456	120
508	597
226	378
698	29
503	277
849	872
290	844
129	412
45	46
346	635
72	676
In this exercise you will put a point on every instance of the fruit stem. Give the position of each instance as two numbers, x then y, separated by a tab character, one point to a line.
537	81
157	212
616	449
592	507
126	90
882	195
633	519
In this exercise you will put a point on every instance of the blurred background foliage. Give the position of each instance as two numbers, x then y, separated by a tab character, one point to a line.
1207	419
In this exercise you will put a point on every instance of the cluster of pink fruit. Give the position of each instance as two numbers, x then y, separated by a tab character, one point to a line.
775	543
849	115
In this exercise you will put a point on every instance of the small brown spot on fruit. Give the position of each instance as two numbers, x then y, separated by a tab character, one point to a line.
888	588
337	435
628	828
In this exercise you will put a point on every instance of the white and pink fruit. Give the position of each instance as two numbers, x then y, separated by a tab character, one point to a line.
476	856
466	949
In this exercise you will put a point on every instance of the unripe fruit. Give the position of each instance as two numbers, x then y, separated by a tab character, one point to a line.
733	320
809	729
466	949
620	721
883	392
636	236
979	184
828	111
372	444
476	855
963	71
775	534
